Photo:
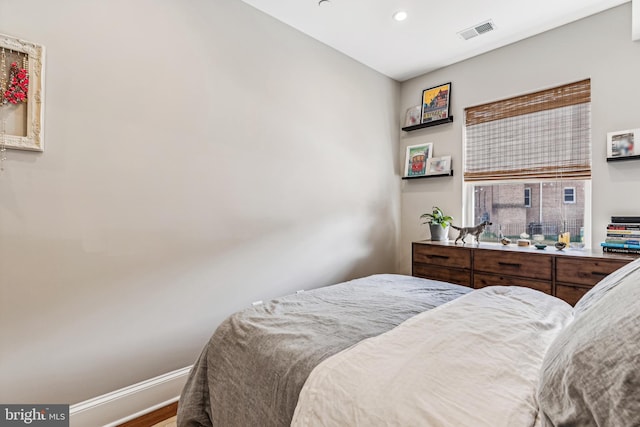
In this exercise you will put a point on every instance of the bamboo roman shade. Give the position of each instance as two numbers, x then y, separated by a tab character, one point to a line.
545	134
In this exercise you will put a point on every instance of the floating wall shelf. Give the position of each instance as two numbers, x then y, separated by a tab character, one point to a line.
428	124
449	173
615	159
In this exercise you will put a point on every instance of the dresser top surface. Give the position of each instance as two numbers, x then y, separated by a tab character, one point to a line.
549	250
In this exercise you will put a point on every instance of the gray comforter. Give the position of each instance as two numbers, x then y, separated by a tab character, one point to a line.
255	364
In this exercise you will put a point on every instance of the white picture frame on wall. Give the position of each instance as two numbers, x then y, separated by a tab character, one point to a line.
21	125
412	116
416	159
623	144
439	165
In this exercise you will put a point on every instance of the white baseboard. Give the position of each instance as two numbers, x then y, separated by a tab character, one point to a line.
122	405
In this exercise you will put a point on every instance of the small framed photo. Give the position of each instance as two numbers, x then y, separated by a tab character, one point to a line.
435	103
623	143
412	116
416	161
438	165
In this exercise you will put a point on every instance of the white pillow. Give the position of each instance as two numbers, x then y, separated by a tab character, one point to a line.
590	375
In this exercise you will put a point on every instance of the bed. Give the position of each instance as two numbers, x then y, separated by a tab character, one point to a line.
397	350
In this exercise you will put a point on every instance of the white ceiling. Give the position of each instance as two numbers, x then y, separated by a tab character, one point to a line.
428	39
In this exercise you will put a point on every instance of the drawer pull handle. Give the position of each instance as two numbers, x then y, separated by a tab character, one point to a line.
439	256
509	264
598	273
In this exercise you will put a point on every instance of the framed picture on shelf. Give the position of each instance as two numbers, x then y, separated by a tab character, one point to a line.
412	116
416	161
438	165
435	103
624	143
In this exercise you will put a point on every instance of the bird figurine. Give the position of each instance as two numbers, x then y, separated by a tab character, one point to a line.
505	241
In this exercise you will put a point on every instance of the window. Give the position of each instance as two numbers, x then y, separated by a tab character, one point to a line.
539	145
569	194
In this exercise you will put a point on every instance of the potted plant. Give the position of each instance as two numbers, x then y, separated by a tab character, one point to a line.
438	223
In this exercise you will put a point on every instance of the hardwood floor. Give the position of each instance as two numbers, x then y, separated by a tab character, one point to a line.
163	417
171	422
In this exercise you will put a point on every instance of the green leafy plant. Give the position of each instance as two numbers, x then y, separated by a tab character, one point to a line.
437	217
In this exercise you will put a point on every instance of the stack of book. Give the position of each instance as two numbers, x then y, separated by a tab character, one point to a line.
623	235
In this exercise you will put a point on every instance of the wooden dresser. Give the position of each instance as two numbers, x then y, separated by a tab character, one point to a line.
567	274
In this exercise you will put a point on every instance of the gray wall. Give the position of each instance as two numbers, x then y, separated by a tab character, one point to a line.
199	156
598	47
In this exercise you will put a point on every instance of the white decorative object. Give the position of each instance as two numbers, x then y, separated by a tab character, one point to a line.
33	134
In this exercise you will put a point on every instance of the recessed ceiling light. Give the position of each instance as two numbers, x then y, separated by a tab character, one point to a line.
400	15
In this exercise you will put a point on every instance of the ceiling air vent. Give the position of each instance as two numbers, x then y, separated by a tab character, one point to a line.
476	30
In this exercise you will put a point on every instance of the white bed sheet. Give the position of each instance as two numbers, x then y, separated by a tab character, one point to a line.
474	361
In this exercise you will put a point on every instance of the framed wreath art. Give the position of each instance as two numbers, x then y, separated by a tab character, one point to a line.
21	94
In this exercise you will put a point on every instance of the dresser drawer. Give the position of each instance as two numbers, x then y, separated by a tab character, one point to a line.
585	271
481	280
570	294
451	275
530	265
457	257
